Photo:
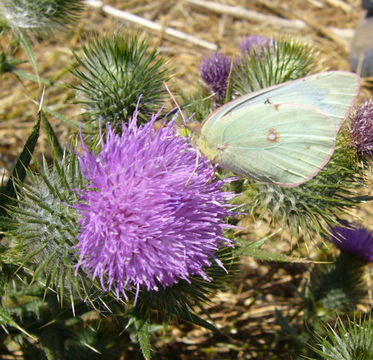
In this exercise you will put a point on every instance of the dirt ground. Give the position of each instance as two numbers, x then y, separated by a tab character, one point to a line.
246	313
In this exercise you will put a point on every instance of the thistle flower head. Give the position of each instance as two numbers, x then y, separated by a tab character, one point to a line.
254	43
151	214
40	16
215	72
357	241
312	206
279	61
351	341
44	227
115	71
361	129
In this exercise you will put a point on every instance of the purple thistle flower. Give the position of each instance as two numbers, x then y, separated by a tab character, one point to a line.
361	129
254	43
215	72
357	241
151	214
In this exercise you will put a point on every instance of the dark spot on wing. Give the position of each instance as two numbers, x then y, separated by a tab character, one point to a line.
272	135
222	147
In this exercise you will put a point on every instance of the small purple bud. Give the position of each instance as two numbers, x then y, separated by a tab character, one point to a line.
215	72
361	128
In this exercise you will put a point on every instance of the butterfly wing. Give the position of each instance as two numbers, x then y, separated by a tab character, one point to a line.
284	134
284	144
332	93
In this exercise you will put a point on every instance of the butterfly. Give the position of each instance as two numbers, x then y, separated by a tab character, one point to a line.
284	134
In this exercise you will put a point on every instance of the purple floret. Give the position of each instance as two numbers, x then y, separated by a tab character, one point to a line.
151	214
215	72
361	129
357	241
253	43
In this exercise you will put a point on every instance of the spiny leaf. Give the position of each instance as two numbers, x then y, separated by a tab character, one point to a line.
228	96
142	328
62	118
30	77
253	249
8	192
195	319
25	43
7	320
19	171
53	140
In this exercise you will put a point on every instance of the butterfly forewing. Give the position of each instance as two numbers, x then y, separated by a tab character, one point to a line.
332	93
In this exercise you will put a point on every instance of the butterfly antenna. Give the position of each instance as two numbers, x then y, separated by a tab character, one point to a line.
194	170
228	94
174	100
182	115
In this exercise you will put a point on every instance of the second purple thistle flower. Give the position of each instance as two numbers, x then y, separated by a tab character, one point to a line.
151	214
215	72
355	240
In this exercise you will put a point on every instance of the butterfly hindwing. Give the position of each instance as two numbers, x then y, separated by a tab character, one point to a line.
287	145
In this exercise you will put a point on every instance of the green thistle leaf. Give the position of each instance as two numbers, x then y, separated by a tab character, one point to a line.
7	320
24	41
7	64
8	191
253	249
142	328
57	151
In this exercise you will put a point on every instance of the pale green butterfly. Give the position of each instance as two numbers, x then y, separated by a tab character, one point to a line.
284	134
